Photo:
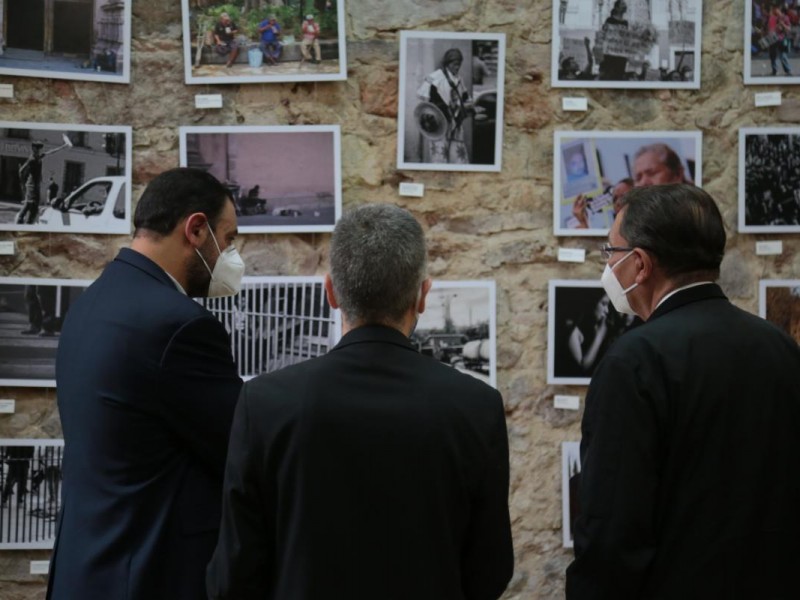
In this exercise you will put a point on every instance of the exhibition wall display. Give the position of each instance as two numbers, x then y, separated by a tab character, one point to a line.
779	303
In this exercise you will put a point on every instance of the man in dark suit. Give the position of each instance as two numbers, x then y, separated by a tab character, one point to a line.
374	471
688	485
146	391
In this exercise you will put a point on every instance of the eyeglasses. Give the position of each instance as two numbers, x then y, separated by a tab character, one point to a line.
608	251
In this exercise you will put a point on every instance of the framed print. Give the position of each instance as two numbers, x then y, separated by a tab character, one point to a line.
779	303
771	42
65	178
275	322
459	327
450	113
283	179
769	180
570	469
30	492
87	40
238	42
581	326
627	44
592	171
32	311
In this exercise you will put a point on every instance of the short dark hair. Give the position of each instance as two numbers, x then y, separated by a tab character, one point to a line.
378	263
176	194
452	55
680	224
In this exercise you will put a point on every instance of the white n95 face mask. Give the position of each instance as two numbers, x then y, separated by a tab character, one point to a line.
616	293
226	278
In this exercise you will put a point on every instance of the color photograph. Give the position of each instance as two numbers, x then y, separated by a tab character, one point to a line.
31	314
772	42
86	40
459	327
779	303
266	41
65	178
450	114
282	179
769	180
593	170
30	492
581	326
275	322
627	44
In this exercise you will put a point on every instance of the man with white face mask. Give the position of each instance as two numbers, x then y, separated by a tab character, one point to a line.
688	486
146	391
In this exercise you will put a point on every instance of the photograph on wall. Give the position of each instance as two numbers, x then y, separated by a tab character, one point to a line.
87	40
32	312
450	113
275	322
283	178
272	41
30	492
570	469
459	328
593	170
772	42
627	44
769	180
779	303
581	326
65	178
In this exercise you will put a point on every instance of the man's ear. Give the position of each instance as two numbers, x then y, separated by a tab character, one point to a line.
424	289
329	293
646	265
195	229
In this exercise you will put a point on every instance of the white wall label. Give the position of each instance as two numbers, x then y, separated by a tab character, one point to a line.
40	567
768	99
575	104
208	101
6	248
567	402
6	90
768	248
7	407
412	189
576	255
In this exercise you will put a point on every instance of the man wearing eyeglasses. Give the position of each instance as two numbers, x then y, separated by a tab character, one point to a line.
688	485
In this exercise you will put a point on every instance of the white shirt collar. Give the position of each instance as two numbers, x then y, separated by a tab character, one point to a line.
680	289
177	285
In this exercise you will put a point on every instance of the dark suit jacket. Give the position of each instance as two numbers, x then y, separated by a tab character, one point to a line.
146	392
689	486
371	472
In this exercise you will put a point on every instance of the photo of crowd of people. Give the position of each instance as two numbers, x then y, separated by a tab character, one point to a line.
593	170
779	303
30	492
769	180
627	43
458	327
772	41
450	115
582	325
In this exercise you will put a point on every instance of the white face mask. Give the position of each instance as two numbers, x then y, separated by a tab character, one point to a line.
226	278
614	289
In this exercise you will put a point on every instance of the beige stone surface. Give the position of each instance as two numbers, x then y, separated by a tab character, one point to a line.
479	225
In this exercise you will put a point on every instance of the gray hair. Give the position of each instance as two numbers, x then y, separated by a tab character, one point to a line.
666	156
378	263
678	223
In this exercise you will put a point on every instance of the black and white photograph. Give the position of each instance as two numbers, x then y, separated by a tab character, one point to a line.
275	322
772	42
593	170
282	178
86	40
31	314
65	178
30	492
769	180
450	113
264	41
627	44
570	469
459	327
581	326
779	303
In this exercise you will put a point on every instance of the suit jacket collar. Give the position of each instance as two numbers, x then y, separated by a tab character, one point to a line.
687	296
141	262
375	333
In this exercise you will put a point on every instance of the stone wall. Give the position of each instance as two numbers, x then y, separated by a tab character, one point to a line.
479	225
